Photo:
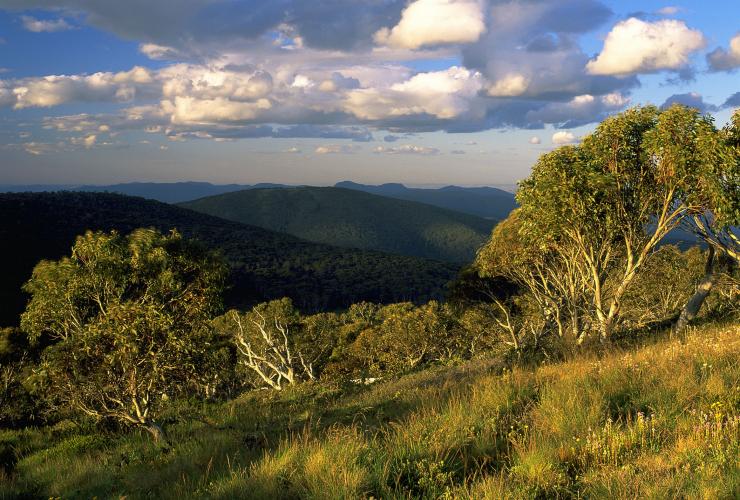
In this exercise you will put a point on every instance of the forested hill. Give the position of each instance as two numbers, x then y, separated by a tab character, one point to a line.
168	192
264	264
355	219
486	202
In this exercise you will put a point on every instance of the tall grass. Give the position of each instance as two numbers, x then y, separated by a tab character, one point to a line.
656	422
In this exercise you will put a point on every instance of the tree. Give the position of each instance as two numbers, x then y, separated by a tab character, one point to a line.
127	320
616	196
718	225
548	270
269	343
406	336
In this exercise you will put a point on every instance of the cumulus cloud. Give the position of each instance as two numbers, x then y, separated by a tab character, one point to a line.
191	110
733	101
292	68
336	149
725	59
54	90
407	149
534	140
160	52
578	111
435	22
531	51
691	99
637	46
45	25
439	94
87	141
669	10
509	86
562	137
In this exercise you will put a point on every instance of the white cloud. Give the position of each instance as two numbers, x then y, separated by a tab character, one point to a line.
191	110
87	141
45	26
53	90
725	60
435	22
636	46
160	52
408	149
441	94
292	150
534	140
337	149
509	86
563	137
579	110
669	10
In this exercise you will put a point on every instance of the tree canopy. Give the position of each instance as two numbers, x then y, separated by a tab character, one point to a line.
126	316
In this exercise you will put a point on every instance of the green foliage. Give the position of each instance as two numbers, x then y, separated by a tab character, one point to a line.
402	337
663	287
127	317
606	204
354	219
655	421
263	265
17	405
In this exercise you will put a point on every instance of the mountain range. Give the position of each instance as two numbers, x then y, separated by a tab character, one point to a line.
355	219
264	264
484	202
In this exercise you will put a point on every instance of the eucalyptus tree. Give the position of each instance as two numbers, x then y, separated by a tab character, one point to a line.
548	271
126	318
719	225
615	196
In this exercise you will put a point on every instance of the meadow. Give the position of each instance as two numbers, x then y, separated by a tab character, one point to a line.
656	419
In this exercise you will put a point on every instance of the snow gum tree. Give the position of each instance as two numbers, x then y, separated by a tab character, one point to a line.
126	318
614	197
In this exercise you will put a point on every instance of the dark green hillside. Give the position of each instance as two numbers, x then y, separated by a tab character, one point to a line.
264	264
481	201
354	219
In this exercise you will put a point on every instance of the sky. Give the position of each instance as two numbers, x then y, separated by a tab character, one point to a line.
424	92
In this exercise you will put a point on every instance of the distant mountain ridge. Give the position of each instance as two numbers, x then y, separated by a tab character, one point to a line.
355	219
264	264
166	192
488	202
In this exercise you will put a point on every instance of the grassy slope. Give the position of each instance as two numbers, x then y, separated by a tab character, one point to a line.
661	421
264	264
354	219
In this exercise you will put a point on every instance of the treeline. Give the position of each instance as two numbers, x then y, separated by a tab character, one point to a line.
130	325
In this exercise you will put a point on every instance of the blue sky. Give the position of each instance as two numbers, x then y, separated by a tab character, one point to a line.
423	92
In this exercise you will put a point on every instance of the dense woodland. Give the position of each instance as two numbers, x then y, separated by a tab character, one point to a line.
353	219
565	360
263	264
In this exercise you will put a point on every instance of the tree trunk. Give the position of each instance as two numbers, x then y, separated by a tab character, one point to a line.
692	307
158	435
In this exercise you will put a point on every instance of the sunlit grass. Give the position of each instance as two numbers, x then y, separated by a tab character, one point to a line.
654	422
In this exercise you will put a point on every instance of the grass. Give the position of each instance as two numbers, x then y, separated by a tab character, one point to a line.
657	421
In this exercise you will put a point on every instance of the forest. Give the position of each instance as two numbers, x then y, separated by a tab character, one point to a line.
577	355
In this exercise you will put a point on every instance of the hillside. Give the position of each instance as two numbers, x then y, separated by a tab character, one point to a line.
354	219
488	202
167	192
264	264
661	421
